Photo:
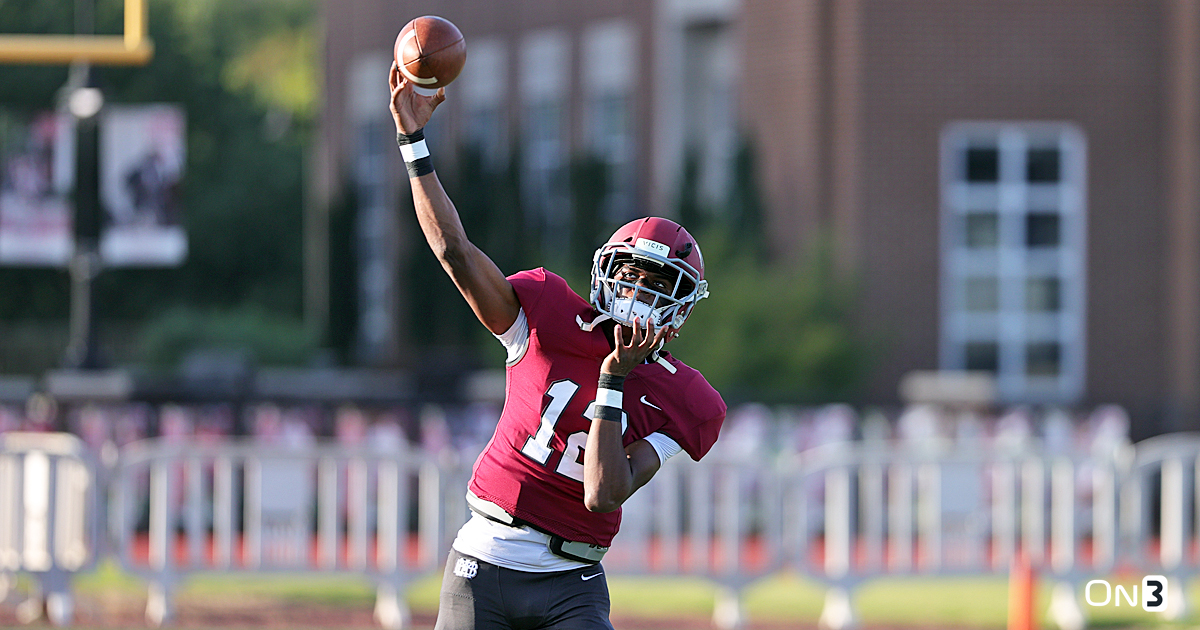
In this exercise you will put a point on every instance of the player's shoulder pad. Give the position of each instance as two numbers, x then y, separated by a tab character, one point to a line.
529	285
705	411
549	302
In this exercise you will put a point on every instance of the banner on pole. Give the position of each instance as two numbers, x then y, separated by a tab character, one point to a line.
142	158
37	164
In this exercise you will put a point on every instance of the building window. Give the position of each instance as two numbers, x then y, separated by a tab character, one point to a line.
610	139
544	180
372	175
1013	256
709	88
484	84
545	85
982	230
609	71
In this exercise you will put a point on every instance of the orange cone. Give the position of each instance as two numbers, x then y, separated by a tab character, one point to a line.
1021	595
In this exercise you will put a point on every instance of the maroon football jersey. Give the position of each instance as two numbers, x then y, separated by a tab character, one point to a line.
533	465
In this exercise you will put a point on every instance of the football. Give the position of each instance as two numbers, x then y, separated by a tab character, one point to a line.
430	52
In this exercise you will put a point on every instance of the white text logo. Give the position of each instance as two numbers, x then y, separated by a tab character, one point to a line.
654	247
1154	593
466	568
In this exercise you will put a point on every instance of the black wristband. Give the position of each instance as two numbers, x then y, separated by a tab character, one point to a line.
410	138
611	381
416	154
604	412
419	167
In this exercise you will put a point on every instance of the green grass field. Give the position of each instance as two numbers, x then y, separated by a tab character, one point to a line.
777	601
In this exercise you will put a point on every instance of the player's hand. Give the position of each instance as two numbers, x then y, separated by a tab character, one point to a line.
628	355
411	110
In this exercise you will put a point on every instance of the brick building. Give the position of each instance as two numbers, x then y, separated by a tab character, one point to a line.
1012	183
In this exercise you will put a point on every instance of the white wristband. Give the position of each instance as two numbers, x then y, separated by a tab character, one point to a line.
609	397
414	152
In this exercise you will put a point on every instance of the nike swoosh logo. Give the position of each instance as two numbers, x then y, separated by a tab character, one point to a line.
647	402
588	577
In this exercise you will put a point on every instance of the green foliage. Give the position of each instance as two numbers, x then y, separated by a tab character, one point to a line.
771	332
246	75
271	339
691	211
279	71
265	49
487	198
343	271
745	209
588	178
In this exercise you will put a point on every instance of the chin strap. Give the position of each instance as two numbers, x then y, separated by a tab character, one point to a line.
588	326
661	360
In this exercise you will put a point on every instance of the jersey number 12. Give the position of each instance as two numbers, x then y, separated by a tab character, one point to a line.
537	447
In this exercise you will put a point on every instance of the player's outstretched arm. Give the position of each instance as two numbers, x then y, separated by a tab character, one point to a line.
611	472
479	280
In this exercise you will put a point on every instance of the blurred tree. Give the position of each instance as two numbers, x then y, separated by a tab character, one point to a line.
488	202
265	337
745	210
246	74
343	264
690	212
588	178
768	332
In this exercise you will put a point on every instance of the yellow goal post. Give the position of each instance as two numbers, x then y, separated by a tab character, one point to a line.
132	48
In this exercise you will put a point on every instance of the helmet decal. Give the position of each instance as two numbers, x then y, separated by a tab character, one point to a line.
653	247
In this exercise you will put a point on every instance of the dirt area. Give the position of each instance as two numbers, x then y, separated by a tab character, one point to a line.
112	612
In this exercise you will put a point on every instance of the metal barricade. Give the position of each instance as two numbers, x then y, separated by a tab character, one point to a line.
247	508
858	511
48	521
850	512
1163	480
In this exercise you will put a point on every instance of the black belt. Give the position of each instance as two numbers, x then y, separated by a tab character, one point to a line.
559	546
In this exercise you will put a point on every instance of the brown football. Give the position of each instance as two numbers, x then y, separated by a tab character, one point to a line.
430	51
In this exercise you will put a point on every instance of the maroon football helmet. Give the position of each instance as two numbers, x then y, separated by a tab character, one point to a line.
655	244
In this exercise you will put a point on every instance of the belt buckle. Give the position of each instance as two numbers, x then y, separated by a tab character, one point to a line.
578	551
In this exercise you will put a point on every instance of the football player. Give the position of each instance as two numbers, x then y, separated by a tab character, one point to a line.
593	405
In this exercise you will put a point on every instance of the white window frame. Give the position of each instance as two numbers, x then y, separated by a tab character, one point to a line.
1013	262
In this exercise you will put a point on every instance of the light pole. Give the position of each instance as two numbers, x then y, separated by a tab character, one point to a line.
84	102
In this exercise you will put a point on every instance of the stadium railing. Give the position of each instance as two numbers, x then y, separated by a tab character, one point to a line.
841	514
